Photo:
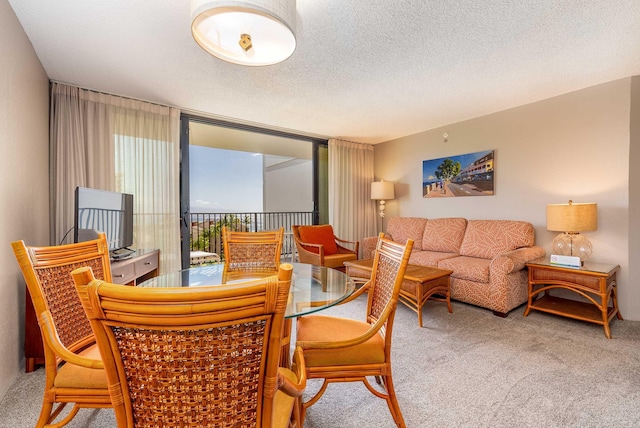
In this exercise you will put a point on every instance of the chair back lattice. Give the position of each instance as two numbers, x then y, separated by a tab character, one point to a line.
47	273
190	357
252	251
198	377
390	262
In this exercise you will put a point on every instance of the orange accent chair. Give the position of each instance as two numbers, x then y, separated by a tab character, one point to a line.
196	357
317	245
73	366
346	350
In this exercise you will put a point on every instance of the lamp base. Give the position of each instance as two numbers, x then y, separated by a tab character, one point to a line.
381	208
572	244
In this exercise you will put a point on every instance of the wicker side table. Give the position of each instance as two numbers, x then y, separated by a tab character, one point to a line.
595	282
420	284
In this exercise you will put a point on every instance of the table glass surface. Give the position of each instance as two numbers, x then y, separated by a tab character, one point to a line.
604	268
313	288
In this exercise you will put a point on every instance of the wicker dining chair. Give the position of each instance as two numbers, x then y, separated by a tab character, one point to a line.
346	350
195	356
74	372
251	251
257	254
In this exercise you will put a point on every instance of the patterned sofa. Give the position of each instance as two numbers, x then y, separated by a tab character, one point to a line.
487	257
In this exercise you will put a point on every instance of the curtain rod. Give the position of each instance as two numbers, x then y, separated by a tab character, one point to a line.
204	115
116	95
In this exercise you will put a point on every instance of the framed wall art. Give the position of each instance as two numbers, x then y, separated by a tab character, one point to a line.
462	175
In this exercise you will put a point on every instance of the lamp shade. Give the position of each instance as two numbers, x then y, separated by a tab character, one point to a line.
248	32
382	190
572	218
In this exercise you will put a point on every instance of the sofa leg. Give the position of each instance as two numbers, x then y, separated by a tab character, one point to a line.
500	314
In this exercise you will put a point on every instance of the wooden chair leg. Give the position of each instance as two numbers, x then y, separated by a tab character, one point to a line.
296	421
392	402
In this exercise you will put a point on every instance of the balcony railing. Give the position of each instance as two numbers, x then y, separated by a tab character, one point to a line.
206	228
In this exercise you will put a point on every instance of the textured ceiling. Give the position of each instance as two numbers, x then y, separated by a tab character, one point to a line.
364	70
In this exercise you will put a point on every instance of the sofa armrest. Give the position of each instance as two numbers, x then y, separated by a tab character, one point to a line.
513	261
369	245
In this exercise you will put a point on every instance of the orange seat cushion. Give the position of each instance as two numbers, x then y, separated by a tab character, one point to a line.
321	234
320	328
337	260
283	403
73	376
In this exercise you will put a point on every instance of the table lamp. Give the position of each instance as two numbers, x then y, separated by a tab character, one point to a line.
571	219
382	190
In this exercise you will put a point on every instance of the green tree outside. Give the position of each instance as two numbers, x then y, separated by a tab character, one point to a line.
448	169
203	243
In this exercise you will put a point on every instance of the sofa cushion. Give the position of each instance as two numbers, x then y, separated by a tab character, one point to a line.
469	268
488	238
444	234
429	258
319	234
403	228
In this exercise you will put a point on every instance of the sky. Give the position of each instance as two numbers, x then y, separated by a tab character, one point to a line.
429	166
225	180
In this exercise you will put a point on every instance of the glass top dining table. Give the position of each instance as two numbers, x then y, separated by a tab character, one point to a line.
313	288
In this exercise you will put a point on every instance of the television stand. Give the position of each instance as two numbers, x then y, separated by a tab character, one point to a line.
139	266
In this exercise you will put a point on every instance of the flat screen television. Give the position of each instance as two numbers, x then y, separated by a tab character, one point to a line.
108	212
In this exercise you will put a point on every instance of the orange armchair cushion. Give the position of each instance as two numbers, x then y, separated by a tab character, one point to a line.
320	328
321	234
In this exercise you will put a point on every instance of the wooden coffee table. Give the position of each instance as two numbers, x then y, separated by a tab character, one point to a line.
420	283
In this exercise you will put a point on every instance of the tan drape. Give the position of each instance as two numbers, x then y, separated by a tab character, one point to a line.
113	143
81	153
351	211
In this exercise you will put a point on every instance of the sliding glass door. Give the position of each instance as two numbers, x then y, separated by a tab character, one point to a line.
248	179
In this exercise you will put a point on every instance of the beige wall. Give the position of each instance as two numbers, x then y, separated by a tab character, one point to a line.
634	198
575	146
289	188
24	186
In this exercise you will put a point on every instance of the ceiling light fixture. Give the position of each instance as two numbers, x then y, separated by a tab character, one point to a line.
250	32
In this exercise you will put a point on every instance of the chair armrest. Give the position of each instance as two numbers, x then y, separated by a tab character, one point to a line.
352	246
294	389
513	261
306	256
51	337
373	329
359	292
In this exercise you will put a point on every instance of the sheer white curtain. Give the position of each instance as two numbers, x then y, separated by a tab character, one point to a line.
114	143
351	211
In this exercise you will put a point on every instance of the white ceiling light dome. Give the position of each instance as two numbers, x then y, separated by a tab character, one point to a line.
251	32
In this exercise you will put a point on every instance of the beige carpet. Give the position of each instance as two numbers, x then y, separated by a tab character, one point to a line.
466	369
